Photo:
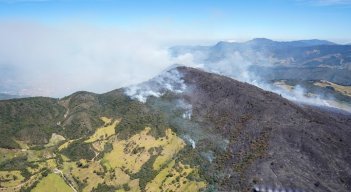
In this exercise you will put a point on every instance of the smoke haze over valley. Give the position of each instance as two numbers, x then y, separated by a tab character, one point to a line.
41	60
80	57
175	96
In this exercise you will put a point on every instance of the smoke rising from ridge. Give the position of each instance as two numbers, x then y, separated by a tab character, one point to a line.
167	81
37	59
238	65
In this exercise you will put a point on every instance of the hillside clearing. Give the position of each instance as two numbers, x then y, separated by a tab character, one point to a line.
52	183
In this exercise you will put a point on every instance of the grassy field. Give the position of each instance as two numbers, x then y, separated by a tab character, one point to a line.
104	132
16	185
117	177
66	144
10	178
22	144
283	85
52	183
38	155
345	90
138	163
174	178
55	139
172	146
7	154
132	153
89	175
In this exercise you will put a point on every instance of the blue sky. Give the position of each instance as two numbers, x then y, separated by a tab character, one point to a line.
205	19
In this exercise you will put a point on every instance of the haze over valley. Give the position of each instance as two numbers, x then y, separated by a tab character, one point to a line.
175	96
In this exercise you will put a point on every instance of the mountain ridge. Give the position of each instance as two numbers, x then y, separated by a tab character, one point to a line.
236	135
269	42
5	96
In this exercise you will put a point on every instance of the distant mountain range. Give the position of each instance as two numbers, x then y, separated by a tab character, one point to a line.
264	42
271	60
184	130
189	129
4	96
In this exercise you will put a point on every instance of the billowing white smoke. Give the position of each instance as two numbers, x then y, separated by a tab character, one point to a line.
237	65
56	60
167	81
188	109
190	140
187	114
208	155
230	66
299	94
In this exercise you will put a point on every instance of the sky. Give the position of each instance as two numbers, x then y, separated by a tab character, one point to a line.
200	19
56	47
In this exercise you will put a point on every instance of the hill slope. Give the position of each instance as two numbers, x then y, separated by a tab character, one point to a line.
184	130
